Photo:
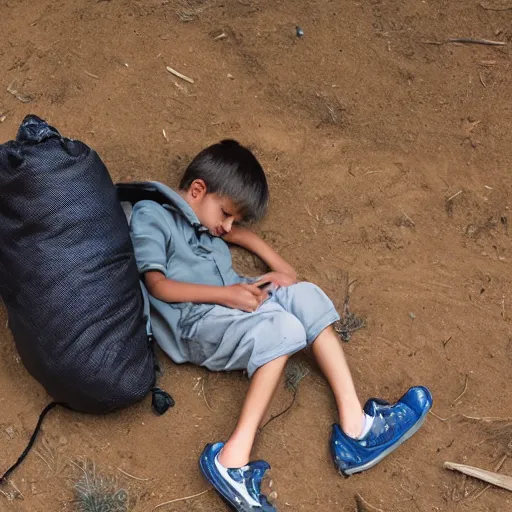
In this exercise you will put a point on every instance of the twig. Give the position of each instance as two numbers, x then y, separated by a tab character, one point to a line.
92	75
467	40
503	481
362	505
131	476
179	75
408	218
442	419
79	467
444	347
486	419
16	488
501	9
454	196
471	40
371	172
463	391
482	80
204	396
182	499
220	36
39	454
488	486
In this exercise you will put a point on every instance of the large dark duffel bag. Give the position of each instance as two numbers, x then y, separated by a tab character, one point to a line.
68	276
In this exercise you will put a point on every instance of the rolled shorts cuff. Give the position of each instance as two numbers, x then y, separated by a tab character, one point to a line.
322	323
285	350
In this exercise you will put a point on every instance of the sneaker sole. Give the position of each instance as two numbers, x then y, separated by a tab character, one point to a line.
359	469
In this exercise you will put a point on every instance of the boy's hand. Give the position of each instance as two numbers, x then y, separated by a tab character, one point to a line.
246	297
277	278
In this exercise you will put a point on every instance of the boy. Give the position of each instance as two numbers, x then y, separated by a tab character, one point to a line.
203	312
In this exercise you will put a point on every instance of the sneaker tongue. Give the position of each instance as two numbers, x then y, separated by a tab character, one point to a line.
259	465
373	405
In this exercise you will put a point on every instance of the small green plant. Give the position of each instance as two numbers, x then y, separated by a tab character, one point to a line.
98	493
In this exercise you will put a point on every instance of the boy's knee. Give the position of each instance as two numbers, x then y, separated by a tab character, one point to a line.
283	336
307	289
310	296
289	328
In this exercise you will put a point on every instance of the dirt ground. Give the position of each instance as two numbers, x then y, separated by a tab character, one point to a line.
389	160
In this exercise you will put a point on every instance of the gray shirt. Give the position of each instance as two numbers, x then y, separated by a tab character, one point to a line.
171	240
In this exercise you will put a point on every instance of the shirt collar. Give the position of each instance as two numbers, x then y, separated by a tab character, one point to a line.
176	203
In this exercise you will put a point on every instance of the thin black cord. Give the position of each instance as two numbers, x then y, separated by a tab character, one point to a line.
283	411
30	444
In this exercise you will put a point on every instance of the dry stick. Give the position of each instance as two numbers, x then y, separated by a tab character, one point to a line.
204	396
482	80
503	481
363	505
470	40
454	196
92	75
463	391
500	9
39	454
467	40
442	419
486	419
16	488
182	499
179	75
408	218
131	476
488	486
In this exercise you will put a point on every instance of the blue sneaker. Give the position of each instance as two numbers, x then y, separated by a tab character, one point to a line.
392	425
240	487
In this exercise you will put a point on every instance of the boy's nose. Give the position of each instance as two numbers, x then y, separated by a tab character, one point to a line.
227	225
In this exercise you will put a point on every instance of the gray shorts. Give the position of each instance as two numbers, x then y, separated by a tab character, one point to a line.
288	321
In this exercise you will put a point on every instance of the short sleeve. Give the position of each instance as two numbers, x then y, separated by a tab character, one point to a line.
151	236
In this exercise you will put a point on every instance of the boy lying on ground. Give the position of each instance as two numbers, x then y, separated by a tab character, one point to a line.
204	313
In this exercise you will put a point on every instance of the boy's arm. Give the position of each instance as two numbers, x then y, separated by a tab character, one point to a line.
252	242
246	297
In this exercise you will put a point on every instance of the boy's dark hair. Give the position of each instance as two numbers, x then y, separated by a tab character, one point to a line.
231	170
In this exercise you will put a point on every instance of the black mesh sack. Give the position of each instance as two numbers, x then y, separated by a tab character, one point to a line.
68	276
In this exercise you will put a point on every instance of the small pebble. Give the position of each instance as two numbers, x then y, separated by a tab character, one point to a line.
272	496
299	31
412	316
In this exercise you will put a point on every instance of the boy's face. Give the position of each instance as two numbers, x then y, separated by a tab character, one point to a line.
215	212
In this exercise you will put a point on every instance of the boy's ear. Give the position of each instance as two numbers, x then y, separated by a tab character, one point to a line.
197	189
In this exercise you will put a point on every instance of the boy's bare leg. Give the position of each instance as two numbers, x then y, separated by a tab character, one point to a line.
237	450
331	359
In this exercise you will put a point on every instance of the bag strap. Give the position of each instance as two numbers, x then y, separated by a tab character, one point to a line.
30	444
